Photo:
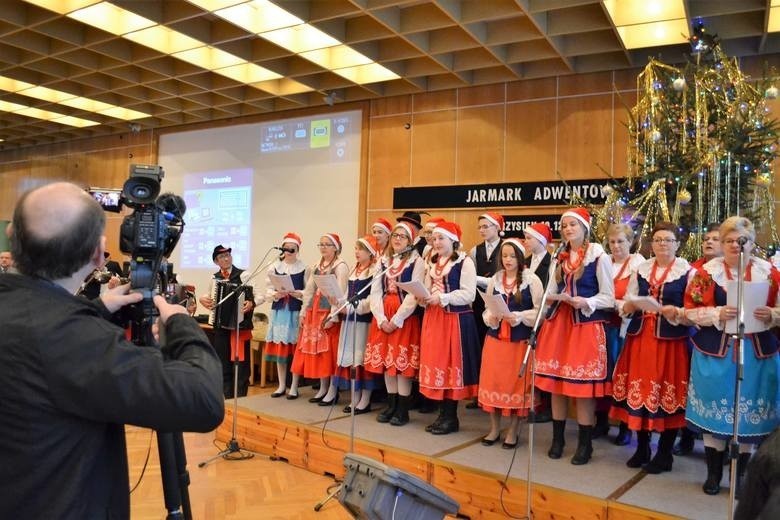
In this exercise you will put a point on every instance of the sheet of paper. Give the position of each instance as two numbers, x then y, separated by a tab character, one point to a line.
646	303
559	297
414	287
328	285
754	295
281	282
496	304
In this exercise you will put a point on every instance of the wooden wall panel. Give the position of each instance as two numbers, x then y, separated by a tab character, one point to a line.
433	148
389	159
584	136
390	106
483	95
530	141
531	89
440	100
480	145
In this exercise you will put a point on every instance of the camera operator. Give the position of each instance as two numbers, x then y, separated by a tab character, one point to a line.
224	339
69	381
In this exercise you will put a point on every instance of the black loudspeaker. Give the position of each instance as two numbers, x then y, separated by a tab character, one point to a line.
375	491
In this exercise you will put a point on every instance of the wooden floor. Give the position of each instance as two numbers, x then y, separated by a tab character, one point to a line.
248	489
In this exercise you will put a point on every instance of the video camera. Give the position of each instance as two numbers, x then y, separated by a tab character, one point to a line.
148	235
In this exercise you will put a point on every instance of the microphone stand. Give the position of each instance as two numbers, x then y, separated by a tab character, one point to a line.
353	301
739	344
232	446
530	352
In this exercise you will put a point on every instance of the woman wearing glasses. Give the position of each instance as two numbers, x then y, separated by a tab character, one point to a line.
713	367
315	355
394	335
571	358
650	380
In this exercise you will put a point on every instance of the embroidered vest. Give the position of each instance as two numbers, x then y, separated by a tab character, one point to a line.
452	283
672	293
353	287
586	286
521	331
293	304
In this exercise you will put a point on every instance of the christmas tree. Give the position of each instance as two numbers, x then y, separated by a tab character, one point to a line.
702	144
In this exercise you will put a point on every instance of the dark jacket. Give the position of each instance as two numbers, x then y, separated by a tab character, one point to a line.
69	381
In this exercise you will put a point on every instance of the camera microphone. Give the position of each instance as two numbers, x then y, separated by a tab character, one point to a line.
172	206
284	249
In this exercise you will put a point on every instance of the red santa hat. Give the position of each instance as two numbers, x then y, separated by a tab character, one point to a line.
370	242
292	238
408	229
540	232
515	242
495	219
449	229
580	214
433	222
382	224
334	238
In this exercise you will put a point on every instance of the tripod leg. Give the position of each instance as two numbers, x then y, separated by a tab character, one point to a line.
324	501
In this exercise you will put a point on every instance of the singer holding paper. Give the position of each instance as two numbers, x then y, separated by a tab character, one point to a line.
315	353
285	311
393	347
224	336
713	365
571	357
650	380
355	320
449	345
501	392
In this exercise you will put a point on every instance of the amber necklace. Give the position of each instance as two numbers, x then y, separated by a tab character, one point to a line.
619	275
394	272
323	266
748	271
359	268
571	267
509	287
438	268
656	283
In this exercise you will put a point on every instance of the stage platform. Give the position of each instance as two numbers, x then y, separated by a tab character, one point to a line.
306	436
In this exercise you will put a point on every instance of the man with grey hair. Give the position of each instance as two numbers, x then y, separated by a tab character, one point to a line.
6	262
69	380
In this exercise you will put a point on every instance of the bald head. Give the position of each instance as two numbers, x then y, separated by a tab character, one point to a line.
55	231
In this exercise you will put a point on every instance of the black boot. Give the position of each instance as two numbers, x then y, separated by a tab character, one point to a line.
387	414
742	464
714	471
642	454
601	427
685	445
401	415
556	448
439	419
584	446
663	457
624	435
450	423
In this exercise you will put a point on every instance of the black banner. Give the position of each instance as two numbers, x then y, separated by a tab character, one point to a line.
515	224
518	194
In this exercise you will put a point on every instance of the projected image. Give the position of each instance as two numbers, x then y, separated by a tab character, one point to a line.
219	211
308	134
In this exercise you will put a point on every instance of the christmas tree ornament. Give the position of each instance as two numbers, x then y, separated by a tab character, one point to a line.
678	84
771	93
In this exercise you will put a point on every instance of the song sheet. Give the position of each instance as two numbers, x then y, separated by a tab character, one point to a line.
281	282
754	295
416	288
496	304
328	285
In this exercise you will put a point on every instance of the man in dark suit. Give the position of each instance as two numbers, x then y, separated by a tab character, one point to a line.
225	334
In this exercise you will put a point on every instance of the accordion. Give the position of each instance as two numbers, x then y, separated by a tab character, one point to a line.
227	315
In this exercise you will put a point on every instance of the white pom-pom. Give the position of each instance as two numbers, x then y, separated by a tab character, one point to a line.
655	135
678	84
771	93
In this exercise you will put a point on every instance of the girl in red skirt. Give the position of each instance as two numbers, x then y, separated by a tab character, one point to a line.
650	382
315	354
571	358
285	313
449	345
501	392
394	336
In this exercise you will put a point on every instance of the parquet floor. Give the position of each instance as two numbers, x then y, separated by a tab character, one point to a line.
256	489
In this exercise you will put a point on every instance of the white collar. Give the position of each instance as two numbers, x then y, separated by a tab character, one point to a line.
634	260
717	270
593	253
680	268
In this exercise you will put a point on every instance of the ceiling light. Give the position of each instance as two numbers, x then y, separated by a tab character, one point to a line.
630	12
774	17
654	34
111	18
46	115
256	16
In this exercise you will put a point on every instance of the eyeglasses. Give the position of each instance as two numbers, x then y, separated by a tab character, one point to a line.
731	242
664	240
325	245
483	227
398	235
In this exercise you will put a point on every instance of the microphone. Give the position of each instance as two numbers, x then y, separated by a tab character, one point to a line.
284	249
403	251
742	241
172	206
561	247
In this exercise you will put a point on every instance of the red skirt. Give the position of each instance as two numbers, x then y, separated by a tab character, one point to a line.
500	390
397	353
441	357
650	382
317	350
571	358
279	352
